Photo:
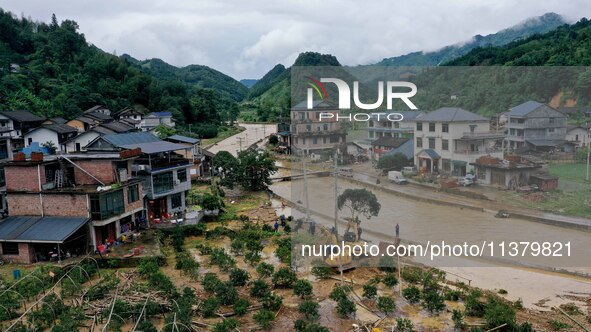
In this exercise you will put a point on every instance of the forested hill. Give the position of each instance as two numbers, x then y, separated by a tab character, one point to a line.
50	69
568	45
529	27
195	75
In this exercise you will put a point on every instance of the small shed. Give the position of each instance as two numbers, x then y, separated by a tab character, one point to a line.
544	181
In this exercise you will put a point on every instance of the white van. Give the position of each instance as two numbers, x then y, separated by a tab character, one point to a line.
397	177
345	171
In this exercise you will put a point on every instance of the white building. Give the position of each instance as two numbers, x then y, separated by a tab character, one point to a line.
153	120
57	134
79	143
449	139
580	136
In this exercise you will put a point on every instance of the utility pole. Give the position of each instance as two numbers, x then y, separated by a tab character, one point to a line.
588	154
240	142
336	212
306	189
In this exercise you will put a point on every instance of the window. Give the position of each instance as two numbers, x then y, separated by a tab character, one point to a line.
431	143
181	175
105	206
78	148
162	182
315	141
9	248
446	165
325	126
550	130
445	128
176	200
419	142
334	139
324	140
370	123
419	126
304	141
431	126
444	145
371	134
308	127
133	194
30	140
552	120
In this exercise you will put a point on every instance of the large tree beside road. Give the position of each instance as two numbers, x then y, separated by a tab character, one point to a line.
360	202
251	170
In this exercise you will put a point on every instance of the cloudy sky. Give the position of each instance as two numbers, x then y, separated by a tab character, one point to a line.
247	38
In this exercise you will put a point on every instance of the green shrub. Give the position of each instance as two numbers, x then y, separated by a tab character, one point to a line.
264	319
412	294
241	307
302	288
433	301
346	307
210	282
558	325
322	272
386	304
458	318
404	325
309	309
272	302
370	291
284	278
226	293
265	270
209	307
412	275
498	313
226	325
390	280
340	292
259	289
239	277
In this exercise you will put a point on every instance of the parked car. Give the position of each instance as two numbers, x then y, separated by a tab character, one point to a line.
345	171
397	177
467	180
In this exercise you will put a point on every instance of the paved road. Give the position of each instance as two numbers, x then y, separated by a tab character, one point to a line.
252	134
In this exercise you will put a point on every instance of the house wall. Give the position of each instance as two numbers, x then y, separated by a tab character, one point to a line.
42	136
103	170
76	124
23	178
83	139
66	205
580	135
26	254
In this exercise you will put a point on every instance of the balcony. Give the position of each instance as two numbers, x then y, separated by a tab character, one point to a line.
478	151
483	135
321	133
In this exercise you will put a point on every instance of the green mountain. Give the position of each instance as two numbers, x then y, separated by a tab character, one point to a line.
194	75
532	26
271	96
51	70
248	82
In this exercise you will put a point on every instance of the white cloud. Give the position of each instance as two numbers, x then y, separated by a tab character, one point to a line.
246	38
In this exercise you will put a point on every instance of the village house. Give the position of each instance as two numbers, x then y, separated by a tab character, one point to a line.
535	126
194	154
383	145
310	135
380	126
13	126
510	173
55	135
92	117
68	203
151	121
449	139
79	143
579	136
164	173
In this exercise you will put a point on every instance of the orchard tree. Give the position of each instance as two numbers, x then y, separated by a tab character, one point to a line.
393	161
255	169
302	288
226	165
386	304
360	202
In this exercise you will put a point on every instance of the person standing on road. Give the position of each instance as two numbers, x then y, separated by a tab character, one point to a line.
397	230
276	226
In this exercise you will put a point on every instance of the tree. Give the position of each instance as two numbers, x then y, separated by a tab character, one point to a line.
302	288
412	294
394	161
241	307
359	202
209	307
226	165
272	302
390	280
259	289
497	313
284	278
255	169
370	291
265	270
309	309
164	131
321	272
226	293
238	277
404	325
211	202
433	301
273	139
265	319
346	307
226	325
386	304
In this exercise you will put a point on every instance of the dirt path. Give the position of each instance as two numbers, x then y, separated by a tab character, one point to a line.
246	138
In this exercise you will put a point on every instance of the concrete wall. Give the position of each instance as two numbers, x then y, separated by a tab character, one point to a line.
42	136
83	139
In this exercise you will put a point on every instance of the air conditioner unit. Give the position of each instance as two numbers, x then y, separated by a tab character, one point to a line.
177	182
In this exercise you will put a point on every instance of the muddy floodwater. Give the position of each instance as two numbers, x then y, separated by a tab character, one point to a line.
420	222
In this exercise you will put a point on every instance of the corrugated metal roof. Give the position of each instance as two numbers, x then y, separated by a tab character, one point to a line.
431	153
450	114
121	140
525	108
39	229
392	142
407	149
185	139
157	147
118	127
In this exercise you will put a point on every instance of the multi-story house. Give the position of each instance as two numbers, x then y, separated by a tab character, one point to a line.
380	126
535	126
76	201
153	120
55	135
449	139
165	174
310	134
13	126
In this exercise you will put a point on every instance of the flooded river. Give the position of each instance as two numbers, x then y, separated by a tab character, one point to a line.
421	222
